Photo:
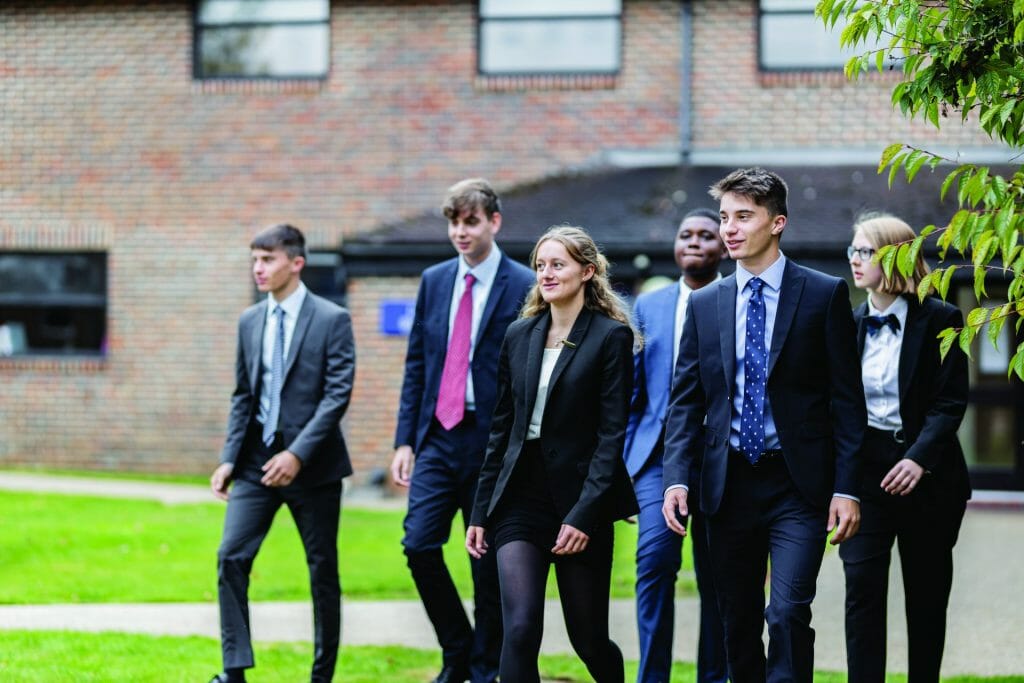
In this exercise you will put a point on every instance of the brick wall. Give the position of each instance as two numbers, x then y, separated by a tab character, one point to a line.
106	142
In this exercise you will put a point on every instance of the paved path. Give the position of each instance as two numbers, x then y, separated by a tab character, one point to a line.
986	614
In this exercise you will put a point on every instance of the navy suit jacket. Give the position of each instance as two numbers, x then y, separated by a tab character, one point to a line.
655	318
318	376
933	393
814	387
584	422
428	344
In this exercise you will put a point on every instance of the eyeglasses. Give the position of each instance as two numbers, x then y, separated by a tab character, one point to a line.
863	253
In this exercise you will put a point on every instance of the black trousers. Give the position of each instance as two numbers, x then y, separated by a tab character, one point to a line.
251	509
925	525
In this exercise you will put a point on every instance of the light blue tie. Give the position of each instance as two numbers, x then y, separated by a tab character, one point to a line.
755	371
276	380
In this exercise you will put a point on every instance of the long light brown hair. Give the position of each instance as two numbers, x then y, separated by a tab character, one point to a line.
598	294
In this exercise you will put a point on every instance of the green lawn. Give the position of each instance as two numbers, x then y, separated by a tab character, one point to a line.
94	549
53	656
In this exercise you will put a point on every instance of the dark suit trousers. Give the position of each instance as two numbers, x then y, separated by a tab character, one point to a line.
762	517
925	525
251	509
658	557
444	482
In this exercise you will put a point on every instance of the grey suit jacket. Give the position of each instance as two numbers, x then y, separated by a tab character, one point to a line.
319	373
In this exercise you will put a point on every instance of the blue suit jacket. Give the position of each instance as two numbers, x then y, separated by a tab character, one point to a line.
428	343
654	315
814	385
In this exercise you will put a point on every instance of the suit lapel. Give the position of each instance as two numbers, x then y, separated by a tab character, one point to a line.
862	327
727	329
789	300
910	348
299	334
259	324
437	318
572	343
664	327
534	356
497	291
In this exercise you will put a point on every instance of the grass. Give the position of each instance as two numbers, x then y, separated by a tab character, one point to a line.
57	656
96	550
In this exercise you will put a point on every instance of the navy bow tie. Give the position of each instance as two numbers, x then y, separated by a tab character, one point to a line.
877	322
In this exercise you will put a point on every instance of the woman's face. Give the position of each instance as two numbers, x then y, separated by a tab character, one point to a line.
866	274
560	277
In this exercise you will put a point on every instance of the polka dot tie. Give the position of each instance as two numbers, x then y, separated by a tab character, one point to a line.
755	370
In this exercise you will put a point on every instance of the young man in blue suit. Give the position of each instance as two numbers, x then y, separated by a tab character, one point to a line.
658	315
463	307
767	395
294	371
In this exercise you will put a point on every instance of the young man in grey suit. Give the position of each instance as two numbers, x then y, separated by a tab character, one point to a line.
463	308
767	396
293	371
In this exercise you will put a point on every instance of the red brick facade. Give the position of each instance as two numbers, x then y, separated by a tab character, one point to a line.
107	143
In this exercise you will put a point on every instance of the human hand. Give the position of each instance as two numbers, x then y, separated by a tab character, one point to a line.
844	517
401	466
675	510
570	541
281	469
221	479
903	477
475	543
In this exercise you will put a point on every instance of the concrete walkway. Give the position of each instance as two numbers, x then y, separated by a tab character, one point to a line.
986	613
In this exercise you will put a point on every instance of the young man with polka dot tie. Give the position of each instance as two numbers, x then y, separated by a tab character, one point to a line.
767	394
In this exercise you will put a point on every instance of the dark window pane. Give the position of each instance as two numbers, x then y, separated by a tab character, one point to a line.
271	51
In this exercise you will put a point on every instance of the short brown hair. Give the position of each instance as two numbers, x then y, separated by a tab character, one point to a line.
469	195
282	236
764	187
882	229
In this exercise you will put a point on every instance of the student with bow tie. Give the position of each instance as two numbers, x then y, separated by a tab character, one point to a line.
915	486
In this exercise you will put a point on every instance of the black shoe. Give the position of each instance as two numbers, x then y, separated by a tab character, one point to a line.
452	674
225	677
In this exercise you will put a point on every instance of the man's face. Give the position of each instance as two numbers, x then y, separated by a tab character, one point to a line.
472	234
749	230
273	271
698	248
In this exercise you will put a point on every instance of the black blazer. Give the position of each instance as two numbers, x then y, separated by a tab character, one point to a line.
933	393
814	387
428	344
319	373
584	423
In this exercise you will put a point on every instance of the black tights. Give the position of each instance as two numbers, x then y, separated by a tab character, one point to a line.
583	586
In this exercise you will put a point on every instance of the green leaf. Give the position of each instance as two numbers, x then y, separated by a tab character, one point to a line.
967	335
947	277
925	286
897	161
933	113
887	258
995	325
977	317
946	339
888	154
914	165
979	283
951	177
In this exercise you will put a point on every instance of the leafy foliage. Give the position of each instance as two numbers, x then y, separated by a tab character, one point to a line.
966	58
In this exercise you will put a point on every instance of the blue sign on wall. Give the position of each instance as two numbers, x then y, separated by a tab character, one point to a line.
396	316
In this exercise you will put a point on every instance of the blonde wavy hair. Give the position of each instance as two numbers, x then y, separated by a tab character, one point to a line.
598	294
882	229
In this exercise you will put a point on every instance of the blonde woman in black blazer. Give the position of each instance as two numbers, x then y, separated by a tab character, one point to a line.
553	480
915	486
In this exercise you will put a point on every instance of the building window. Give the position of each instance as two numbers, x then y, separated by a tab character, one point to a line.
792	38
519	37
262	38
53	303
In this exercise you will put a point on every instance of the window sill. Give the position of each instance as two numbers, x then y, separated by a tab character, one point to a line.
63	365
259	85
512	83
826	78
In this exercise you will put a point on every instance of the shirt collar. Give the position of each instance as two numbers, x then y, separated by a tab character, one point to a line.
292	303
485	271
898	308
685	290
771	276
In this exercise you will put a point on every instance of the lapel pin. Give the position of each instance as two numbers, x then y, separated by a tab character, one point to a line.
568	343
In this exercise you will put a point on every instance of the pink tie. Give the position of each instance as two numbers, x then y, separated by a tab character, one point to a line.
451	397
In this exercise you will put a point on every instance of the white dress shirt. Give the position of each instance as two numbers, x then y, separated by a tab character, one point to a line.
546	367
484	272
291	307
880	365
684	297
